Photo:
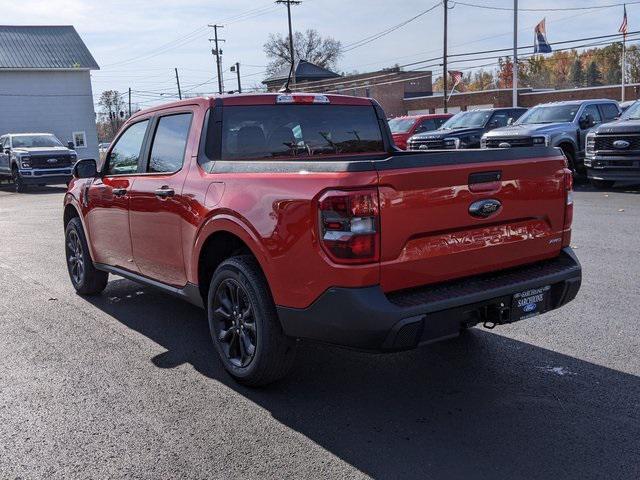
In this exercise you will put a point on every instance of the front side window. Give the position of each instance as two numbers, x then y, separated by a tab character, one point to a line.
294	131
594	112
35	141
169	143
427	126
125	154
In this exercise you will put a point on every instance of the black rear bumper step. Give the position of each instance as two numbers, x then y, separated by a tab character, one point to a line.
366	318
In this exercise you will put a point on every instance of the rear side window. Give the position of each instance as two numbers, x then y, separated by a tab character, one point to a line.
169	143
125	154
609	111
297	131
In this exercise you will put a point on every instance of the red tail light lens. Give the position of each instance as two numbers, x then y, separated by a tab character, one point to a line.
348	226
568	209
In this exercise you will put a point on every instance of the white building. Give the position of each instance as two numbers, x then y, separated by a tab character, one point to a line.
45	85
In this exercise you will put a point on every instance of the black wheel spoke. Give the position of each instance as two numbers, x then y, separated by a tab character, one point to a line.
234	323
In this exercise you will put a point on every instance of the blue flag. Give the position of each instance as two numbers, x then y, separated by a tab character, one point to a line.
540	44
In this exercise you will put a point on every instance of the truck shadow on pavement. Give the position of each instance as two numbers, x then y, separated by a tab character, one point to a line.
480	406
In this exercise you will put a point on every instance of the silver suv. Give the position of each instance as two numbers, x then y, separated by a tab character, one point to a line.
557	124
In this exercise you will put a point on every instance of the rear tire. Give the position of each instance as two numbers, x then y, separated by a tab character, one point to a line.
85	278
18	184
244	324
602	184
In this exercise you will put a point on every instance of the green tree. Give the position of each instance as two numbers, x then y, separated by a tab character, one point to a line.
577	73
593	75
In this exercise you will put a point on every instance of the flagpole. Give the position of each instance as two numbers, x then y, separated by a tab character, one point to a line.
624	62
515	53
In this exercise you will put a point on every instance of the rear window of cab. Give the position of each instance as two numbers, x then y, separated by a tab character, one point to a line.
299	131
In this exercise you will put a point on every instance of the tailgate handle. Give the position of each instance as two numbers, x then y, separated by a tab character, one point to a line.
484	177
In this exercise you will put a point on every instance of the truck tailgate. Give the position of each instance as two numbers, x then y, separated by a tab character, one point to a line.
428	231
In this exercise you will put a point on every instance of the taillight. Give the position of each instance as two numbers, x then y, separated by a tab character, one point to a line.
349	226
568	208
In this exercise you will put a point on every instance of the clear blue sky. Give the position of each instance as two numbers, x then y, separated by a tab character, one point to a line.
138	43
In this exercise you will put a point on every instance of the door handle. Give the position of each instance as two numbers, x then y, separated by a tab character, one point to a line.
165	192
119	192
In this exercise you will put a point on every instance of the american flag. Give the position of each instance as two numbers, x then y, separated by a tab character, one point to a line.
540	44
456	76
624	25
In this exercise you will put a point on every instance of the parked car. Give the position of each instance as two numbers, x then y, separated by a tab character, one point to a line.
557	124
402	128
294	217
35	159
465	129
613	150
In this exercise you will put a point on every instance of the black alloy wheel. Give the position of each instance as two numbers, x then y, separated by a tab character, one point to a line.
75	258
234	323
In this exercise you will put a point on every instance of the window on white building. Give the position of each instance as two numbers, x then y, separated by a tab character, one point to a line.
79	139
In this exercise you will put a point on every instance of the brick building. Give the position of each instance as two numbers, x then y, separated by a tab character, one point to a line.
391	87
410	92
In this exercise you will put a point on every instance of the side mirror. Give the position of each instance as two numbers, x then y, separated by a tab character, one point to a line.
492	124
510	121
87	168
7	150
71	146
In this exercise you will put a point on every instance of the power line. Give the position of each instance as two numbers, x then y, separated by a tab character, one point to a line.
551	9
375	36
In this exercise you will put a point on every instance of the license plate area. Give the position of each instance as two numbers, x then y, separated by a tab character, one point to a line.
530	303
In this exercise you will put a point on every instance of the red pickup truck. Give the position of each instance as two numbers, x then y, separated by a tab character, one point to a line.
403	128
291	216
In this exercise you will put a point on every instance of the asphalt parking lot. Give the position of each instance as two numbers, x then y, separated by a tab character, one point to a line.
127	384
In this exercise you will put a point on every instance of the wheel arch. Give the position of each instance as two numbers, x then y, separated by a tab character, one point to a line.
222	238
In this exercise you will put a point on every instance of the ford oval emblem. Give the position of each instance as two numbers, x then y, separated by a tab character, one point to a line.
529	307
423	147
504	145
621	144
484	208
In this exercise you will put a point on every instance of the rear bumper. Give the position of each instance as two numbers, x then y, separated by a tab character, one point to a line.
366	318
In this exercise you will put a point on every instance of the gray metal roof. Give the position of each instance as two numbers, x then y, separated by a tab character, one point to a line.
303	71
43	47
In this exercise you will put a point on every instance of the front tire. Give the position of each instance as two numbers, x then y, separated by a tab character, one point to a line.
18	183
602	184
244	324
85	278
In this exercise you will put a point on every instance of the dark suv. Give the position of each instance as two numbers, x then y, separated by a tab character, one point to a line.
465	129
613	150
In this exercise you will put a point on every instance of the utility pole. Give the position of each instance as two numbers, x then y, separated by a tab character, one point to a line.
288	3
445	73
515	53
178	82
129	102
218	53
236	68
